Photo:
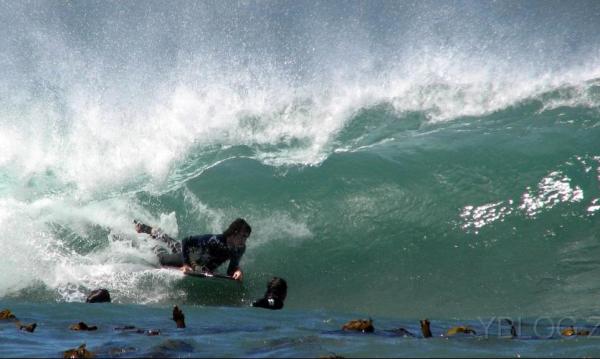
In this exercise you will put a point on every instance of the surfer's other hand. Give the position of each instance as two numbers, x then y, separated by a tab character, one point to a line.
238	275
186	268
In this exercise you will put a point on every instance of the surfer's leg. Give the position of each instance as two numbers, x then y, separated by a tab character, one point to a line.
141	227
156	233
170	260
173	244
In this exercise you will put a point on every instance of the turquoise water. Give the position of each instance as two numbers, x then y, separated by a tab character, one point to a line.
398	161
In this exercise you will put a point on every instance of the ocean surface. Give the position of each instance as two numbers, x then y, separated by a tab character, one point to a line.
396	161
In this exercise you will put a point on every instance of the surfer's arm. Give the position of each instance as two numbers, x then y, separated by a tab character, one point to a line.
187	244
185	254
234	270
186	268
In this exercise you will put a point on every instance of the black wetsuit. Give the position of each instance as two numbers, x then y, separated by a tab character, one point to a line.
207	251
210	251
166	258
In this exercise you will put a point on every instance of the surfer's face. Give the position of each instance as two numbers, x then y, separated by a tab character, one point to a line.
238	239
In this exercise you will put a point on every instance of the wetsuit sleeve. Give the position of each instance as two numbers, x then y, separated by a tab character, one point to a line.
234	261
187	244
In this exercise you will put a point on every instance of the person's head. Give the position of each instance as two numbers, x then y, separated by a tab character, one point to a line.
237	233
277	288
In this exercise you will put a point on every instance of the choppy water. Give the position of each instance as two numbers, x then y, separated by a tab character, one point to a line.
396	160
249	332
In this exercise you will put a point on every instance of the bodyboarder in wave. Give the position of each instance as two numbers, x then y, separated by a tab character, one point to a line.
203	253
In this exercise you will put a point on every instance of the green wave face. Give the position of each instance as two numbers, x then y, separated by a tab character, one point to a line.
489	215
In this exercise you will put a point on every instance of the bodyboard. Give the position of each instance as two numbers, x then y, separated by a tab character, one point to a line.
205	275
196	274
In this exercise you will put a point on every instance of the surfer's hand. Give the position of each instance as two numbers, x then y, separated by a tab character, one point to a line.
186	268
237	275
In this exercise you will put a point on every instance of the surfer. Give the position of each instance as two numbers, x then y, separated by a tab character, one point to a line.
203	253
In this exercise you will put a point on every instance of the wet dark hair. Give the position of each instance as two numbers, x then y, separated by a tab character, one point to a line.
277	288
237	226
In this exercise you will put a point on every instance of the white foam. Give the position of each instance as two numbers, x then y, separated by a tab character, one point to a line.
35	252
99	143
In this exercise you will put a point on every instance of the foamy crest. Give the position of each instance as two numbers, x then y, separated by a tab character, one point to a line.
96	143
584	95
449	85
